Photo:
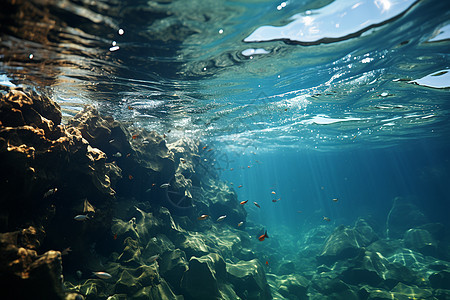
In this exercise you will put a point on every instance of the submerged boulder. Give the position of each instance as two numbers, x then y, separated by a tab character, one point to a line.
249	280
421	241
200	281
25	274
403	215
342	244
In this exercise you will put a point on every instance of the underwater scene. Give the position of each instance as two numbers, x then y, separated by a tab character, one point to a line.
225	149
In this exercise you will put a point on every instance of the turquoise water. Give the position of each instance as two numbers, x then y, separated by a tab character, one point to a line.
315	118
330	108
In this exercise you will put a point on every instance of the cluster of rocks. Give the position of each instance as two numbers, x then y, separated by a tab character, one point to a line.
134	195
359	262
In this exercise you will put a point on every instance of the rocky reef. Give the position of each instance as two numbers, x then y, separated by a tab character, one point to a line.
99	209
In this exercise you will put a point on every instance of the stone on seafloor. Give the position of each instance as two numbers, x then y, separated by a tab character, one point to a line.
194	244
440	280
293	286
25	274
366	231
386	247
411	292
286	267
131	255
421	241
200	281
329	286
172	267
403	216
342	244
249	279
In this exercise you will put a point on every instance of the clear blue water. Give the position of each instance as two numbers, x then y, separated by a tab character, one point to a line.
315	120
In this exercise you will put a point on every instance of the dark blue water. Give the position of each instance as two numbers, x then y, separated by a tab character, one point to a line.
364	182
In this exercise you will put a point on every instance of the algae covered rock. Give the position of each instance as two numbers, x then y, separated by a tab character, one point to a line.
329	285
403	216
293	286
440	280
200	281
420	240
249	279
343	243
25	274
173	265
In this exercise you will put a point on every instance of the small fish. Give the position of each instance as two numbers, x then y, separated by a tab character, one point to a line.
50	192
240	224
130	107
257	205
263	237
335	199
66	251
209	150
273	192
153	258
118	154
326	219
164	136
102	275
135	136
128	155
81	217
148	190
112	141
299	211
231	169
285	109
267	263
164	185
248	167
240	186
115	236
202	217
168	131
130	177
274	200
243	202
221	218
182	160
205	147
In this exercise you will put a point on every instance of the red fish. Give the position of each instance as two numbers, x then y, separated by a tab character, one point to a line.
243	202
130	177
240	186
130	108
267	263
135	136
115	236
263	237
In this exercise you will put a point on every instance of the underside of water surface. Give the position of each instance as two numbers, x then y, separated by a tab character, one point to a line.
218	149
